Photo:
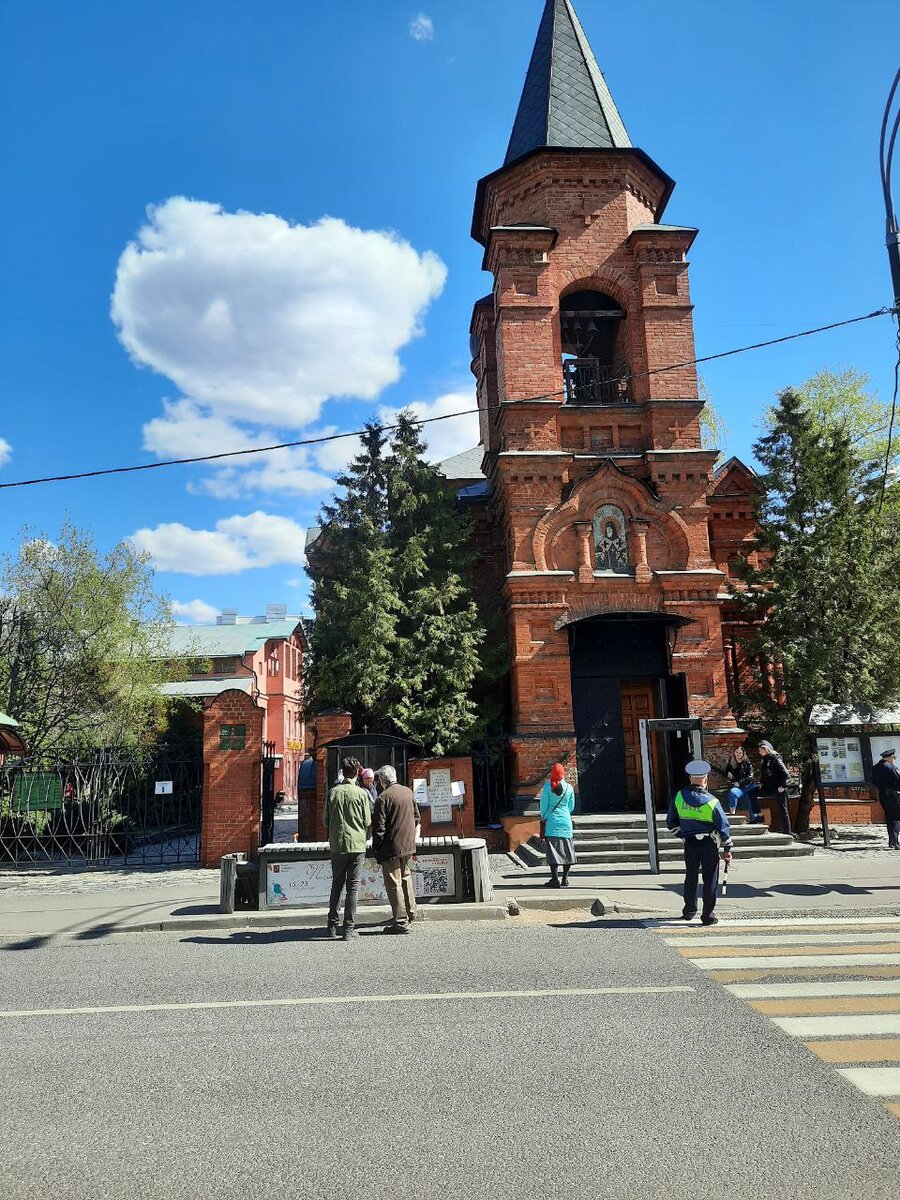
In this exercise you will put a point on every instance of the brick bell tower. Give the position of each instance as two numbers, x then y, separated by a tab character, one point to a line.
598	480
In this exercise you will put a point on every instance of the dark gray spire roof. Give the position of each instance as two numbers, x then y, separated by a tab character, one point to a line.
565	101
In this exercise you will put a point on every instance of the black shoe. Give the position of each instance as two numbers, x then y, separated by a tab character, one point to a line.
565	883
334	933
688	916
393	927
709	920
554	882
350	935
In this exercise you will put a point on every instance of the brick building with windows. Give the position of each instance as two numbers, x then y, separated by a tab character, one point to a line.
262	656
602	524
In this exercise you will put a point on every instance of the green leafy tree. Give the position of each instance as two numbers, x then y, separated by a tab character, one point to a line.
440	633
355	628
822	598
82	643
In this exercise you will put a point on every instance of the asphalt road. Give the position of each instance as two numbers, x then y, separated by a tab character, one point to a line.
611	1094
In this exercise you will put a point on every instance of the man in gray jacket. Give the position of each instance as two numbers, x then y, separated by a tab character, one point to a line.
394	826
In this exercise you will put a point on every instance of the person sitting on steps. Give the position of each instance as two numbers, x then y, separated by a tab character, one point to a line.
739	773
557	804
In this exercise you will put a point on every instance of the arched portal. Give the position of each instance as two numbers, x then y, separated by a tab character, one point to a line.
621	673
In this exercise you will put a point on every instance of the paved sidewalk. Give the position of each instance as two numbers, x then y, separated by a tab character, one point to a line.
38	907
860	880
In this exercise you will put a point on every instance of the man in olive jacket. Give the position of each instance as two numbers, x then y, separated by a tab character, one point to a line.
394	823
347	822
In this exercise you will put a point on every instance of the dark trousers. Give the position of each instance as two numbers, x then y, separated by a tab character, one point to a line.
345	870
781	808
893	828
700	855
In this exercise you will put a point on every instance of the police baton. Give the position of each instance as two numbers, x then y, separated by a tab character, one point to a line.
725	877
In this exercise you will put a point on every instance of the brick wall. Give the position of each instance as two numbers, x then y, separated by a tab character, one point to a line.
231	779
461	772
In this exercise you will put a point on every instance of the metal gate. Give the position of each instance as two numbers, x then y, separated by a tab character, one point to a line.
490	778
267	799
116	807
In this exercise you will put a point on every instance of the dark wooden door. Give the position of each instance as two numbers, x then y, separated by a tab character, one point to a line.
638	703
600	748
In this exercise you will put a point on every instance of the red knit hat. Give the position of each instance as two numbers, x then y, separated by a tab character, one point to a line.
557	773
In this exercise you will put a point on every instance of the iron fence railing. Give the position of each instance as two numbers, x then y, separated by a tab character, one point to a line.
111	807
588	382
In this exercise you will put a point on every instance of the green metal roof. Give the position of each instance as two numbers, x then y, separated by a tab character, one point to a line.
222	641
5	720
207	687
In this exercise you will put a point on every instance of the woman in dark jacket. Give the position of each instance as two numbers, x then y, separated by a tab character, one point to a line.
739	773
773	782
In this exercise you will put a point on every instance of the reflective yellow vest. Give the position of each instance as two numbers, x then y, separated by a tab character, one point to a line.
702	813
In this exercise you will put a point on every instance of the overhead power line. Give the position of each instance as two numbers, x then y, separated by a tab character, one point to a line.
334	437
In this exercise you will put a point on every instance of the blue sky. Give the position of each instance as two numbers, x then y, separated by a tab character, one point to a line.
362	143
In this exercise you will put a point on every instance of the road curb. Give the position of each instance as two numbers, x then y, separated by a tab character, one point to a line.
310	919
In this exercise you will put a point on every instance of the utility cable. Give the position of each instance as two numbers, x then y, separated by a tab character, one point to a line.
333	437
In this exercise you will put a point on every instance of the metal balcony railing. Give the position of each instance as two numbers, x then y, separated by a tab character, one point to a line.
590	382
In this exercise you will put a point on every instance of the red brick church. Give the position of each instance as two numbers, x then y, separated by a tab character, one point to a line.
603	523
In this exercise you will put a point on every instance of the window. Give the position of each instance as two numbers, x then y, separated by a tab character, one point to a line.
610	540
224	666
232	737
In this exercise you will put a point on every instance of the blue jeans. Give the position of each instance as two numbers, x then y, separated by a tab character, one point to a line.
748	793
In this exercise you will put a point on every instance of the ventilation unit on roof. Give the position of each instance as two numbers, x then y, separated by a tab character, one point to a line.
228	616
276	612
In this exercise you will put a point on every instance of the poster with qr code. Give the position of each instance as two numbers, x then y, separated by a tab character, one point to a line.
293	884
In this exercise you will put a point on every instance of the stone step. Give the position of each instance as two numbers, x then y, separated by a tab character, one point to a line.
631	820
636	858
629	837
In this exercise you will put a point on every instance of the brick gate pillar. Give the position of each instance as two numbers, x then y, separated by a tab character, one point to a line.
232	765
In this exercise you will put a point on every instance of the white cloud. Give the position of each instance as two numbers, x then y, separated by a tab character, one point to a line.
185	429
337	455
194	612
5	452
283	472
236	544
444	438
421	28
257	319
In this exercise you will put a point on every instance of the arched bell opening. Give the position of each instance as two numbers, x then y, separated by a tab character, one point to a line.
593	338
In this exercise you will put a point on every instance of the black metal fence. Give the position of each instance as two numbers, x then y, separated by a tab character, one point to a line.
105	808
588	382
489	771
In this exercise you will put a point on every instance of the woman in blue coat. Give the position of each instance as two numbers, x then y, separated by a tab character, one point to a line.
557	805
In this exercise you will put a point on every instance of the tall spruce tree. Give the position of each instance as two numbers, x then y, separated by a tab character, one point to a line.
439	630
355	606
825	622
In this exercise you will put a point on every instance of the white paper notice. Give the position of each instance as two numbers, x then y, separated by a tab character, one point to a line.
440	792
420	791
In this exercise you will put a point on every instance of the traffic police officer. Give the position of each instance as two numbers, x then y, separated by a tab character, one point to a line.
696	816
886	778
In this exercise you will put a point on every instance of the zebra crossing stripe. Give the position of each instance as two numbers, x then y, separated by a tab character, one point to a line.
792	1007
813	959
846	970
805	947
857	1050
873	1081
782	939
840	1025
836	987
